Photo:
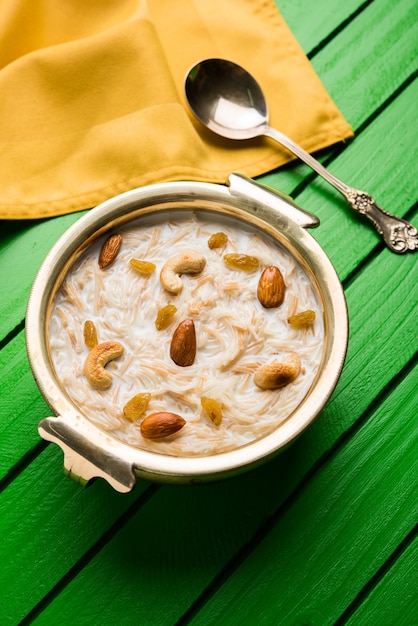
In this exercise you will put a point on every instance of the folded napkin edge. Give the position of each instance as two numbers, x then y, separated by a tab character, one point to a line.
71	204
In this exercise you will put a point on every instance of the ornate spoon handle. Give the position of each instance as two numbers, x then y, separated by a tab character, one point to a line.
398	234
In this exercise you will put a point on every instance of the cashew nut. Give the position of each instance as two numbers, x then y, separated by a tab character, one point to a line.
187	262
94	366
276	375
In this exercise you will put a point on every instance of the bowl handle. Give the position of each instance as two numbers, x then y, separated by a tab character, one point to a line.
283	205
84	460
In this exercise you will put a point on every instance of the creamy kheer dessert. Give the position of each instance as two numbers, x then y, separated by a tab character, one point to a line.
187	334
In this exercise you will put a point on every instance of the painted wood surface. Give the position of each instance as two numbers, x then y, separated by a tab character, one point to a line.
326	532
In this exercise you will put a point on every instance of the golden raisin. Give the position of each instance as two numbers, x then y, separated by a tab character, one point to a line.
302	319
217	240
146	267
213	408
165	316
241	262
90	334
136	406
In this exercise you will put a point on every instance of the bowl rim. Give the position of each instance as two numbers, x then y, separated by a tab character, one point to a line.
90	452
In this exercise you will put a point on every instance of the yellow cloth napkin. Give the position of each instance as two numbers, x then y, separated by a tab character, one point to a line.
92	97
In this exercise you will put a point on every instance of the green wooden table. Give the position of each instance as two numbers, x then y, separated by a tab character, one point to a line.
325	533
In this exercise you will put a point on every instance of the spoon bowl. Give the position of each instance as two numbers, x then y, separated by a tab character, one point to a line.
229	101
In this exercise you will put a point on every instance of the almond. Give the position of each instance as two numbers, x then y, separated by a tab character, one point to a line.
109	250
271	288
160	425
183	344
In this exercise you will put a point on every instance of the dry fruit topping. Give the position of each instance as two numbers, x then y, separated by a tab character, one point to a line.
302	319
109	250
90	334
217	240
165	316
136	406
271	287
160	425
145	267
213	408
98	357
183	344
244	262
278	374
186	262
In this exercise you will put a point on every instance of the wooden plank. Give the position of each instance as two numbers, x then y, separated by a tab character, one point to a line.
37	237
394	188
332	539
374	356
371	58
336	219
47	524
23	246
202	529
225	517
161	558
21	405
394	600
20	237
20	417
373	301
312	27
374	55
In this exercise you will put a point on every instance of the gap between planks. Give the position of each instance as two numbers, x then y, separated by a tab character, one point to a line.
234	563
334	33
412	216
377	577
12	334
89	555
259	535
330	154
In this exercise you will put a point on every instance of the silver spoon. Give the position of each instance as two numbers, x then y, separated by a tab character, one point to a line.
230	102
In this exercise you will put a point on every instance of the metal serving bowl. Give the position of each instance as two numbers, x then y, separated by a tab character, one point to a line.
90	452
